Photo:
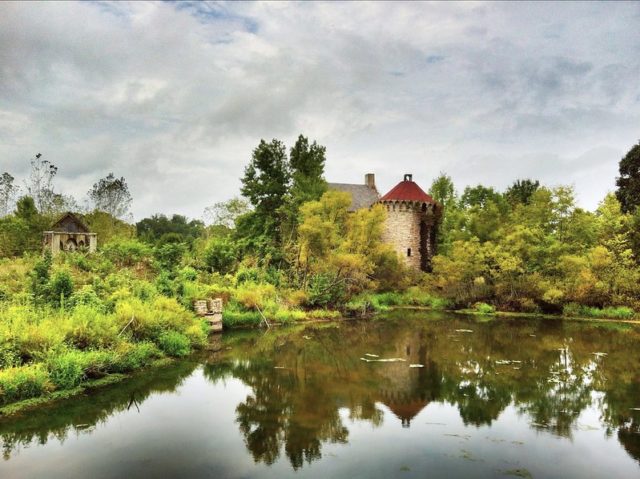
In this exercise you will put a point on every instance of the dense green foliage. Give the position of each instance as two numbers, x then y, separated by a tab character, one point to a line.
536	255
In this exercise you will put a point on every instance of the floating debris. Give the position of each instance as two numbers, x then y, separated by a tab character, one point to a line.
635	408
384	360
507	361
461	436
532	335
306	337
536	424
371	355
279	367
599	355
518	473
464	330
436	423
416	365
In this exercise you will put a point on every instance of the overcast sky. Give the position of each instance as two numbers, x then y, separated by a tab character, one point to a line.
175	96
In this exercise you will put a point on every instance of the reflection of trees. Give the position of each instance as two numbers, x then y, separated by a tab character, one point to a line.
547	370
81	414
305	381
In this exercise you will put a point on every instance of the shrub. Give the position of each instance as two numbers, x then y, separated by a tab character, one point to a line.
174	344
484	308
88	327
324	291
87	296
132	356
126	253
252	295
147	321
220	255
66	370
197	333
23	382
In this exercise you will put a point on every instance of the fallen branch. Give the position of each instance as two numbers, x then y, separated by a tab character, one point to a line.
126	325
263	317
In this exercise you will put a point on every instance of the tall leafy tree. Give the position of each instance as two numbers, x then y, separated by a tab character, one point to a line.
443	191
628	192
307	169
265	184
111	195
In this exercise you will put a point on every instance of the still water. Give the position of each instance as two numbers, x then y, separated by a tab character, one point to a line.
501	398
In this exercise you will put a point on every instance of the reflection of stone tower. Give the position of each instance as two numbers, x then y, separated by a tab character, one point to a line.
411	223
405	393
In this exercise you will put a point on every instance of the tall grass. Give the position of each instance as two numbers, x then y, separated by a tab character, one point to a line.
610	312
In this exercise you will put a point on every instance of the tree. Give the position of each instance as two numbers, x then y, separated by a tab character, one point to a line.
443	191
307	170
8	191
521	191
628	182
266	184
479	196
225	213
40	183
158	227
111	195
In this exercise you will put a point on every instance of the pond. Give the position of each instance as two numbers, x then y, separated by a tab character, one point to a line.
460	397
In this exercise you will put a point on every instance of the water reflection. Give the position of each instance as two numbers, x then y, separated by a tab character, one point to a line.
80	415
308	386
549	370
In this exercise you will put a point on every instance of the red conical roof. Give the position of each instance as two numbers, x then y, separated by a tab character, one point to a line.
407	190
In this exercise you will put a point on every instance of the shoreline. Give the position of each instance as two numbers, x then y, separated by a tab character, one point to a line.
16	408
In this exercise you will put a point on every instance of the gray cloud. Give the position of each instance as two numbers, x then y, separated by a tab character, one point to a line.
175	96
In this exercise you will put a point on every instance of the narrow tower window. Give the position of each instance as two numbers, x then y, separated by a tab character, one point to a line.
408	251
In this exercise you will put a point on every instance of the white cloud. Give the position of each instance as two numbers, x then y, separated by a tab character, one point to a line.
175	96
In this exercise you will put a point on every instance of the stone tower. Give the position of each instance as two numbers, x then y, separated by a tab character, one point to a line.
411	223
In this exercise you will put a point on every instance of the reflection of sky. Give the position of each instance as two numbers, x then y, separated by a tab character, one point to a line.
193	433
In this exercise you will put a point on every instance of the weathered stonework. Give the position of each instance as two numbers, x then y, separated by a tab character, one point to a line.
409	228
412	217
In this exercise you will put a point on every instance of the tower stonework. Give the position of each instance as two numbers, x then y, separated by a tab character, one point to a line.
412	217
411	222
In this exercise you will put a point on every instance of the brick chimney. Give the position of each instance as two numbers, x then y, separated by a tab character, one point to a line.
370	180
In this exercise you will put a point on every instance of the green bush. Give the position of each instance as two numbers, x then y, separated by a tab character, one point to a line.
324	292
484	308
88	327
66	370
127	252
132	356
174	344
87	296
220	255
23	382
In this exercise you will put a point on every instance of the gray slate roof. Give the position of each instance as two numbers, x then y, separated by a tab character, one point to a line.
361	195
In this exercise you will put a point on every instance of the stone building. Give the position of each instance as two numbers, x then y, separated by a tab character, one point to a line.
412	217
69	233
